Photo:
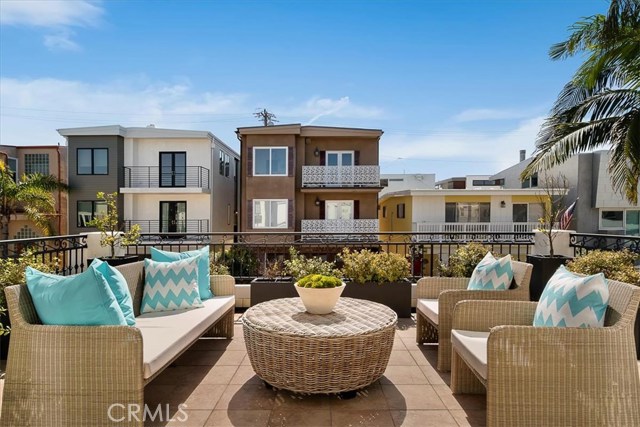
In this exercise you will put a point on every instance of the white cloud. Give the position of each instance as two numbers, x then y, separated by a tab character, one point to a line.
50	13
316	108
57	16
480	114
467	150
34	109
61	41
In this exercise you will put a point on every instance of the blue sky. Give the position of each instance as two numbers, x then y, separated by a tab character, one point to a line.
458	87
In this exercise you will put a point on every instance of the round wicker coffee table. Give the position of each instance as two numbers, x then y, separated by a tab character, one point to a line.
339	352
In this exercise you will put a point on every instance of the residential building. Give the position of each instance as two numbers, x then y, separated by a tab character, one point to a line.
397	182
46	160
309	178
599	209
168	180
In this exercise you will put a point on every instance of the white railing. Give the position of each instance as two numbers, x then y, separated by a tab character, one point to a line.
438	230
341	176
475	227
339	226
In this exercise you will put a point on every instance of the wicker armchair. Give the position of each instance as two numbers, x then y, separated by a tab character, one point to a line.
541	376
441	294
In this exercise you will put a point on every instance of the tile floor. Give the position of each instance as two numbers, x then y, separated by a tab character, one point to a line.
215	381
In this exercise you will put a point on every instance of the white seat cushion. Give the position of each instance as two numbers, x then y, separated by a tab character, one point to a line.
472	347
428	307
165	334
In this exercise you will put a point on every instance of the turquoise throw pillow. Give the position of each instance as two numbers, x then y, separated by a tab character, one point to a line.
170	285
83	299
492	274
119	287
573	301
204	284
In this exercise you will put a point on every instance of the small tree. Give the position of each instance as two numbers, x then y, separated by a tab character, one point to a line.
554	189
32	193
111	234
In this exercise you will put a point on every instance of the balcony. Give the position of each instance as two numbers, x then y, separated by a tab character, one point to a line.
441	228
346	226
340	176
145	179
157	226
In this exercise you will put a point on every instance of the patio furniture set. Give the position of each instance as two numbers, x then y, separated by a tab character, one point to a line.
71	375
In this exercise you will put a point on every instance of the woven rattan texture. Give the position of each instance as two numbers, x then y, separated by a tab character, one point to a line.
451	290
351	317
343	351
554	376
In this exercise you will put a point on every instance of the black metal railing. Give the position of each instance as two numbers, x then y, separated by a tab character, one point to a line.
157	177
250	254
66	253
583	243
177	226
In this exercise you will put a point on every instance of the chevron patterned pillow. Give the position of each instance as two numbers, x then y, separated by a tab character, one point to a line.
492	274
573	301
170	285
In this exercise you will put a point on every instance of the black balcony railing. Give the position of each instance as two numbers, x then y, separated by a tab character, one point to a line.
67	253
157	177
583	243
250	254
157	226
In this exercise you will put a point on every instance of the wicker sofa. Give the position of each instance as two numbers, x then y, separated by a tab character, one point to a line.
90	375
437	296
544	376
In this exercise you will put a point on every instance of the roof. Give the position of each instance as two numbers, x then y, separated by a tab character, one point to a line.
308	131
135	132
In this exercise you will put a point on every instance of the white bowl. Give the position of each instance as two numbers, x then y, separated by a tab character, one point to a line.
320	300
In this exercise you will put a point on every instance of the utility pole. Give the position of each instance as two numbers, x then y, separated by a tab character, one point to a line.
266	117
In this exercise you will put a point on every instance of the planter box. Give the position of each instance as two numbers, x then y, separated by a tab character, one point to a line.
263	289
395	295
114	262
543	268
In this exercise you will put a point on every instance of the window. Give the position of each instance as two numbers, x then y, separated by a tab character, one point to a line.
90	209
612	220
487	182
173	169
270	213
12	164
36	163
467	212
93	161
384	212
520	212
632	227
223	167
531	182
270	161
400	210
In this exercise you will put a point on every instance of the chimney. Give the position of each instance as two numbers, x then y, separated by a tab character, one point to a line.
523	155
151	125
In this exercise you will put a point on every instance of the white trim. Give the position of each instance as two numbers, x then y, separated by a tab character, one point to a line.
286	160
338	152
286	219
351	202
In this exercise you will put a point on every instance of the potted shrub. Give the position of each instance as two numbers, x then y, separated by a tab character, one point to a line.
319	293
552	201
279	277
240	261
463	260
378	276
615	265
111	235
12	273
